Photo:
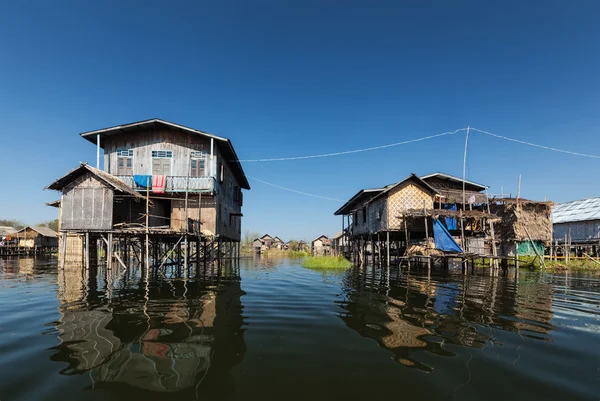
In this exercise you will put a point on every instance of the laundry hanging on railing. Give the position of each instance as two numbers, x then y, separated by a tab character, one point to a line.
158	184
443	239
143	181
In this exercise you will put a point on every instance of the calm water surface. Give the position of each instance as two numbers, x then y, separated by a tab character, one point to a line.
271	329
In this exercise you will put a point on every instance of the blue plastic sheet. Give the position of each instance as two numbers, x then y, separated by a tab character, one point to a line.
443	239
450	221
144	181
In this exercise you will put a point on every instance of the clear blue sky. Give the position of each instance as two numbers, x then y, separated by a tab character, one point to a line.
290	78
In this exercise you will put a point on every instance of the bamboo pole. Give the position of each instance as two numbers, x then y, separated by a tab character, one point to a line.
492	233
534	247
464	200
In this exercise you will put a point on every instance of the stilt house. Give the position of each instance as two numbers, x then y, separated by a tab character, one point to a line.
36	237
524	227
321	246
578	223
403	213
158	177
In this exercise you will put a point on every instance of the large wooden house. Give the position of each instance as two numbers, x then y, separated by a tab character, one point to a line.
157	176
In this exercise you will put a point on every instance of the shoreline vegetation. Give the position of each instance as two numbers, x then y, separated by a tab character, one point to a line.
326	262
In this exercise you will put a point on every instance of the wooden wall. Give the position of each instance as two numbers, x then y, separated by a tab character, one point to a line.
143	143
86	204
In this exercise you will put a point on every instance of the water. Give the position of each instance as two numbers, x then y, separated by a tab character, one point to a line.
271	329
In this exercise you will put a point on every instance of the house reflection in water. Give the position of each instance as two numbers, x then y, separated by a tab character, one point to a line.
407	314
167	336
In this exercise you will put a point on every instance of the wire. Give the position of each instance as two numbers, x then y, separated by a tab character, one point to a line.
535	145
293	190
353	151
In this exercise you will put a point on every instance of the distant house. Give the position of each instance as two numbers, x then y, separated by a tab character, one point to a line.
321	246
7	235
267	241
339	242
7	231
37	237
258	245
577	221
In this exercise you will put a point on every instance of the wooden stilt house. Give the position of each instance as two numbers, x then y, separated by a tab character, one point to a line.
399	218
159	179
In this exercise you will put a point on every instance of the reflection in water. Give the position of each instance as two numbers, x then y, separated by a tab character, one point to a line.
405	313
162	334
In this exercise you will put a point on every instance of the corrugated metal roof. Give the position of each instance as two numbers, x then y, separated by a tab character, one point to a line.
579	210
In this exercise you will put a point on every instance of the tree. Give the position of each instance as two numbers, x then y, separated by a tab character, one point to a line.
52	224
249	237
12	223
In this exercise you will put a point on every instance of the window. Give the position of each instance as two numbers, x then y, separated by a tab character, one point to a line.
364	213
161	162
220	171
162	153
198	162
124	161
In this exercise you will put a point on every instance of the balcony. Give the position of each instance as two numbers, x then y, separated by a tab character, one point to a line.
177	183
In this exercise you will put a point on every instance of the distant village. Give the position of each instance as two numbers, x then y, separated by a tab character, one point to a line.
162	189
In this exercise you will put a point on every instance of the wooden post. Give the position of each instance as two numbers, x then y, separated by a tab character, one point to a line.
372	250
109	251
462	231
516	258
87	250
63	251
147	224
387	247
405	232
426	237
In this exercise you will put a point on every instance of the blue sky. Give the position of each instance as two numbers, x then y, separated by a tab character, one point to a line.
297	78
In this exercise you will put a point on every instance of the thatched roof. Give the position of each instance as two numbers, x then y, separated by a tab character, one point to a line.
518	218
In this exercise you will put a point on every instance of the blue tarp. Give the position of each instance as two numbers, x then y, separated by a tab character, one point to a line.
450	221
443	239
143	181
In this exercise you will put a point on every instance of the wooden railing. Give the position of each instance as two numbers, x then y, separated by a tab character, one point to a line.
175	183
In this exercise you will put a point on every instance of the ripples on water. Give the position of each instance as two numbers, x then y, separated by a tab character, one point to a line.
270	329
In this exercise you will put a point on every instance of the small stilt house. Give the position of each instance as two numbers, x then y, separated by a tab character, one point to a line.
524	228
36	237
321	246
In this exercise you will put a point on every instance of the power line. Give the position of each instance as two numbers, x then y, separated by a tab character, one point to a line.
353	151
535	145
293	190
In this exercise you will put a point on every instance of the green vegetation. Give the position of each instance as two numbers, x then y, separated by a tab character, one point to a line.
326	262
297	254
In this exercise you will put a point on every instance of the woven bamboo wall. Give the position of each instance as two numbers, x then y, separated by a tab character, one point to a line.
406	196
